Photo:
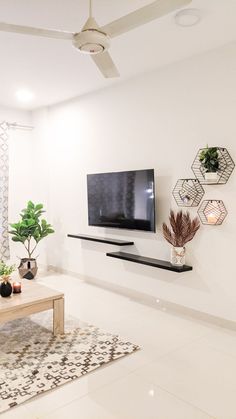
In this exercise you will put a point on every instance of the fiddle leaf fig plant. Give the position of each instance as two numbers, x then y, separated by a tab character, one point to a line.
209	159
31	228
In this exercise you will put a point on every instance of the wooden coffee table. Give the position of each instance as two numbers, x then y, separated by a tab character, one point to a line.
33	299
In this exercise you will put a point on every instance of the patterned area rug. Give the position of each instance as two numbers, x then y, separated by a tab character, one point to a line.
33	361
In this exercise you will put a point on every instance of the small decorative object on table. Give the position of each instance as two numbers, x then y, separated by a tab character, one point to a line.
16	287
5	272
30	229
182	230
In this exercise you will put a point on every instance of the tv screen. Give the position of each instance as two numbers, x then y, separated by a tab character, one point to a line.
122	200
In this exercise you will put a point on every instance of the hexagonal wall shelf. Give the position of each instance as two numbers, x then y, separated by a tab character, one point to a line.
226	166
188	192
212	212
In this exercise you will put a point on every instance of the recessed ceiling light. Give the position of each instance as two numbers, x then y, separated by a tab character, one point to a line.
24	95
187	17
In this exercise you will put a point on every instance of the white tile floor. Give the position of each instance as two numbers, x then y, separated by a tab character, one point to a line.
185	370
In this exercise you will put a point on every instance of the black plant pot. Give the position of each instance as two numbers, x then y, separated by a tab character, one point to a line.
5	289
28	268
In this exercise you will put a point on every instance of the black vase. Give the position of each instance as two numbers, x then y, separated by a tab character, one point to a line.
5	289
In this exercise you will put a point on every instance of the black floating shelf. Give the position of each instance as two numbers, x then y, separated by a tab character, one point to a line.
101	239
162	264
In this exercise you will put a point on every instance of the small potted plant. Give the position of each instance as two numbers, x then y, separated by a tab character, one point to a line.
5	272
182	230
209	158
29	231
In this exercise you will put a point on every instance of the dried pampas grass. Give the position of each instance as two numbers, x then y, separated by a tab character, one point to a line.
182	230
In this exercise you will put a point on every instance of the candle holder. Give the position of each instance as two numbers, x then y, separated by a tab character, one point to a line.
188	192
16	286
212	212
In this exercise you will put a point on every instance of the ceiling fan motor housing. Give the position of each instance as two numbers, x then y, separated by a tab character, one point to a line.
91	41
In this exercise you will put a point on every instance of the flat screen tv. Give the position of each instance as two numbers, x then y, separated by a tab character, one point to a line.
122	200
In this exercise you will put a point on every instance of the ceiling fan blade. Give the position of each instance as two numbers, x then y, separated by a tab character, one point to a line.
27	30
141	16
105	64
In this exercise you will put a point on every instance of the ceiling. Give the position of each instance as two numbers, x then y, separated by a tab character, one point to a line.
55	71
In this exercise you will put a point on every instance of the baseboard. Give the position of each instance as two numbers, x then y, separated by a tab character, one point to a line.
158	304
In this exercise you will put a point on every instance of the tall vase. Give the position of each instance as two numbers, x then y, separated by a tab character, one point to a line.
177	256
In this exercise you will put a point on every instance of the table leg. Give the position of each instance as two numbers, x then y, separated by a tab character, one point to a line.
58	316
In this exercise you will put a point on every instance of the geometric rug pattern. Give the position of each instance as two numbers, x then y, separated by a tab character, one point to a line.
33	361
4	179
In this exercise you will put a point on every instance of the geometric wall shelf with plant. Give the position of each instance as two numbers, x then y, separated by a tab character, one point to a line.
188	192
225	167
212	212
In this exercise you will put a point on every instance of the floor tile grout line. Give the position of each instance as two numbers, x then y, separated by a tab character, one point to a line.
190	343
177	397
84	395
177	348
126	373
219	351
156	386
147	382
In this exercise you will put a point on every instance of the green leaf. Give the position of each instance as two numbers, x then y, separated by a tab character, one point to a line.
50	230
38	206
17	239
30	205
15	225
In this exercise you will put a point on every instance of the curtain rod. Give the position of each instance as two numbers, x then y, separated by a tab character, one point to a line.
15	125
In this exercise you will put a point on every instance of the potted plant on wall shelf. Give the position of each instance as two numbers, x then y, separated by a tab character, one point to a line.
182	230
5	272
209	159
29	231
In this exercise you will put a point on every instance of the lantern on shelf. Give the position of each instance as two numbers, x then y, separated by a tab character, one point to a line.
212	212
188	192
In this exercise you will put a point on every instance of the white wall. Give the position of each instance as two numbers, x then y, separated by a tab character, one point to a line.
159	121
20	169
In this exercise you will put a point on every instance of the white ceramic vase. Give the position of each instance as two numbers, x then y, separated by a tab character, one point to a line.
211	177
177	256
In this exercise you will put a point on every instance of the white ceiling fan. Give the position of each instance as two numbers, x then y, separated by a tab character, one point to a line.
95	40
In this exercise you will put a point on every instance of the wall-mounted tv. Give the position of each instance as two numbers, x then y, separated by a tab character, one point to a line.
122	200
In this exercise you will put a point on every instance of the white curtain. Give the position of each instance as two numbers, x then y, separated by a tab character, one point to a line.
4	177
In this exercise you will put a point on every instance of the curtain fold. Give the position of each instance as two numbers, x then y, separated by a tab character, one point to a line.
4	180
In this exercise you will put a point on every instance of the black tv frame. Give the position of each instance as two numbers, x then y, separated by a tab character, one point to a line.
126	228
